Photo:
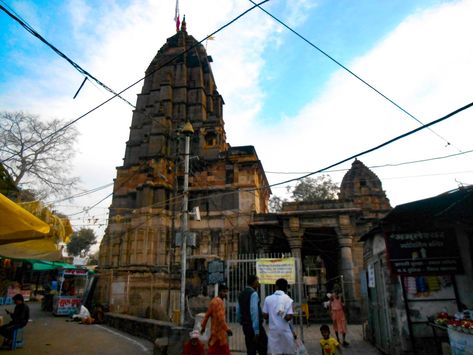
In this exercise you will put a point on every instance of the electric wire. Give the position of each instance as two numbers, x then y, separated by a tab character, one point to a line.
147	75
76	66
376	166
349	71
80	194
379	146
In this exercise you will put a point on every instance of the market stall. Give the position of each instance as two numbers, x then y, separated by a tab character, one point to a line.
72	286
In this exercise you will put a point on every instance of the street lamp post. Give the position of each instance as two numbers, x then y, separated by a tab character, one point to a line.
187	130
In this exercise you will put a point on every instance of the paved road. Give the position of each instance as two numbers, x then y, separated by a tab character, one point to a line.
46	334
357	345
312	338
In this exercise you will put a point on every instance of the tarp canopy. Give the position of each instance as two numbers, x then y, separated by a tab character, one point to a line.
17	224
43	265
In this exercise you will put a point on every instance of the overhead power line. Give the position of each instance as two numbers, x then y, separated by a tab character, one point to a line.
376	166
147	75
404	135
31	30
80	194
349	71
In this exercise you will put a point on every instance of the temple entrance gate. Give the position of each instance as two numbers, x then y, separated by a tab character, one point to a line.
236	272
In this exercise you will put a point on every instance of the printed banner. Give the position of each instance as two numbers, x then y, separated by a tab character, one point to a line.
269	270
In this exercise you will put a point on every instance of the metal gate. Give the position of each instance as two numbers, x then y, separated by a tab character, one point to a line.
236	273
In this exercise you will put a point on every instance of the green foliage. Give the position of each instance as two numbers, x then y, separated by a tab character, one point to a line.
315	189
81	242
93	258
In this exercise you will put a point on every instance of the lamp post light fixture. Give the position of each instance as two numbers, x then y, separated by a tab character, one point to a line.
187	130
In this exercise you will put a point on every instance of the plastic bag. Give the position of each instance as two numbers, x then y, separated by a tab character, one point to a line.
300	348
204	338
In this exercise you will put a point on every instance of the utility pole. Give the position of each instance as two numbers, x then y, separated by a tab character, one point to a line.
187	130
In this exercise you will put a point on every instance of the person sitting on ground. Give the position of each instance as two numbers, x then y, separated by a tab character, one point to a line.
19	319
194	346
328	344
83	313
98	314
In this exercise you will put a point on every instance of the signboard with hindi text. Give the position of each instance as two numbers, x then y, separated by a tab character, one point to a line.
269	270
424	253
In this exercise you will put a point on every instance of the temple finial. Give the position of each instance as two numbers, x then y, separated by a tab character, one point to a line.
183	26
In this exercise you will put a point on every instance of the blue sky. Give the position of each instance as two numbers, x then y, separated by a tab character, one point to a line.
299	109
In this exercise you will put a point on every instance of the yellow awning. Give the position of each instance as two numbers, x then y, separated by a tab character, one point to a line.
17	224
42	249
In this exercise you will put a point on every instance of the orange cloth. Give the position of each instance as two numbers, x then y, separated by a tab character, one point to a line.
218	328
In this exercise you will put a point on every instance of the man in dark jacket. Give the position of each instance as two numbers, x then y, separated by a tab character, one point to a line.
251	318
19	318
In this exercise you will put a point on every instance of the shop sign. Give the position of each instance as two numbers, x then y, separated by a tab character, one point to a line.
269	270
371	277
215	272
67	306
424	253
79	272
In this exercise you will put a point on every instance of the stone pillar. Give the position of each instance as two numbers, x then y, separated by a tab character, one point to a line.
346	269
294	234
346	266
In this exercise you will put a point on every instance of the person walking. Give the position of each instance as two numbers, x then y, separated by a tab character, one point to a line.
219	330
19	319
337	310
250	316
278	309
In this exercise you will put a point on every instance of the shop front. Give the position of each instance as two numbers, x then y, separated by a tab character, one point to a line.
419	276
72	286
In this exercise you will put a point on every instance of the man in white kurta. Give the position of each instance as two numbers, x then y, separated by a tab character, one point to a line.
278	309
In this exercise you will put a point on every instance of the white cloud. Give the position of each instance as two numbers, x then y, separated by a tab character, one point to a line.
425	66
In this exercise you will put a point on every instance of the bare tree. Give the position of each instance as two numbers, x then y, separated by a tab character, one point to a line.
37	154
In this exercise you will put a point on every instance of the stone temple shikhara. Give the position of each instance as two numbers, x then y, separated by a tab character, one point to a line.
224	182
139	261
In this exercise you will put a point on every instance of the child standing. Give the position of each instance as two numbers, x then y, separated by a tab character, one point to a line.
328	344
338	316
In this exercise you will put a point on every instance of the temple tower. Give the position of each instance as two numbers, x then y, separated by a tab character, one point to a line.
138	256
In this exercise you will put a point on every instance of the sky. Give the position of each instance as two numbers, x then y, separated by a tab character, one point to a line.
301	110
